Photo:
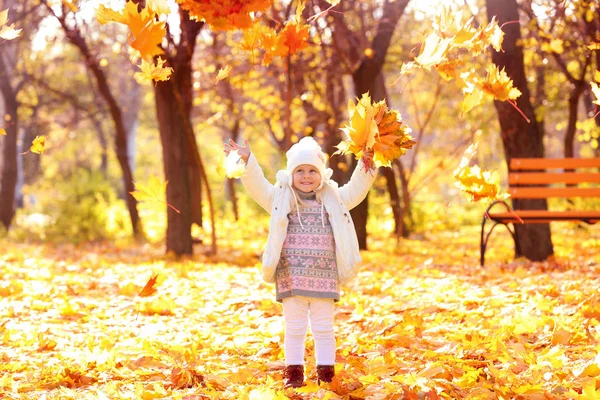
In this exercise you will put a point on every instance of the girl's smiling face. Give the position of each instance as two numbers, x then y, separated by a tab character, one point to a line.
306	178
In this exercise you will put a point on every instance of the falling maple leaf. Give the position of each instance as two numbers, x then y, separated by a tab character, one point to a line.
149	289
38	145
146	32
596	92
476	183
372	126
7	32
433	50
153	191
225	14
499	85
233	167
223	73
292	38
155	72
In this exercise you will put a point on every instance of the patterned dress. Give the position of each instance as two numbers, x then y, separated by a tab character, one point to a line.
307	265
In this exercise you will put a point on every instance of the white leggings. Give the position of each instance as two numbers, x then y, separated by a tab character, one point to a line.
296	311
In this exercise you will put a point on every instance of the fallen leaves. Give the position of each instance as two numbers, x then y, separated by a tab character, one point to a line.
422	322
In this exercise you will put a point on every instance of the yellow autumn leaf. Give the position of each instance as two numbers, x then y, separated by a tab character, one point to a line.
155	72
223	73
597	75
596	92
70	5
153	191
7	32
234	166
472	98
594	46
146	31
2	132
499	85
38	145
433	50
477	184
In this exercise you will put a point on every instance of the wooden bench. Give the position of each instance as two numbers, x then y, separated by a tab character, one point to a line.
540	178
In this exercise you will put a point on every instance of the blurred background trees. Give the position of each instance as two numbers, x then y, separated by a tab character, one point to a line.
71	79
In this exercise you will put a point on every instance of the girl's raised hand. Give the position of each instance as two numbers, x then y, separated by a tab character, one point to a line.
243	151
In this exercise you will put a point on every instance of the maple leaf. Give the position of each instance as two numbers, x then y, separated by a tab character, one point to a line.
149	289
449	69
225	14
596	92
292	38
594	46
223	73
146	32
7	32
153	191
476	183
38	145
499	85
233	167
2	132
433	50
155	72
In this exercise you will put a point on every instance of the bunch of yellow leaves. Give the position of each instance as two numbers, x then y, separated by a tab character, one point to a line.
225	14
372	126
7	32
476	183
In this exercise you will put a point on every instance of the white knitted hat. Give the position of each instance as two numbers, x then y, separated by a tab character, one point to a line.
307	151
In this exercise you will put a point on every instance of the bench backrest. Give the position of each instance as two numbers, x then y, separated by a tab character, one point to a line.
545	178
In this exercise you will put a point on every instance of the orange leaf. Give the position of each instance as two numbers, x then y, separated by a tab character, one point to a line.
499	85
149	289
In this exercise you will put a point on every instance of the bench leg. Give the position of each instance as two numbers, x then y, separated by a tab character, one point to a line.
485	237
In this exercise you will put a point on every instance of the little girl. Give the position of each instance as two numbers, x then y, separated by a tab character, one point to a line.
311	248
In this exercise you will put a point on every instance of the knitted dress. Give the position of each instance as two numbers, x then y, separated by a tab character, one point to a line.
307	265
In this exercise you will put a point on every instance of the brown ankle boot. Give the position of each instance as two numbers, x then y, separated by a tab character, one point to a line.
293	376
325	373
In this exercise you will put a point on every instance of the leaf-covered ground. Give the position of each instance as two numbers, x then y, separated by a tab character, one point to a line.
422	321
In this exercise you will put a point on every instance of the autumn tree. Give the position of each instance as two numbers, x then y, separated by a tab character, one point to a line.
521	137
72	28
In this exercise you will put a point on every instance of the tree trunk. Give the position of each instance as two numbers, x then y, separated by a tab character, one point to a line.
8	178
176	160
572	124
10	123
369	78
181	159
520	139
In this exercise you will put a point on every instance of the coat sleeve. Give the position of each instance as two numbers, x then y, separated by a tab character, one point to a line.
257	185
358	187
